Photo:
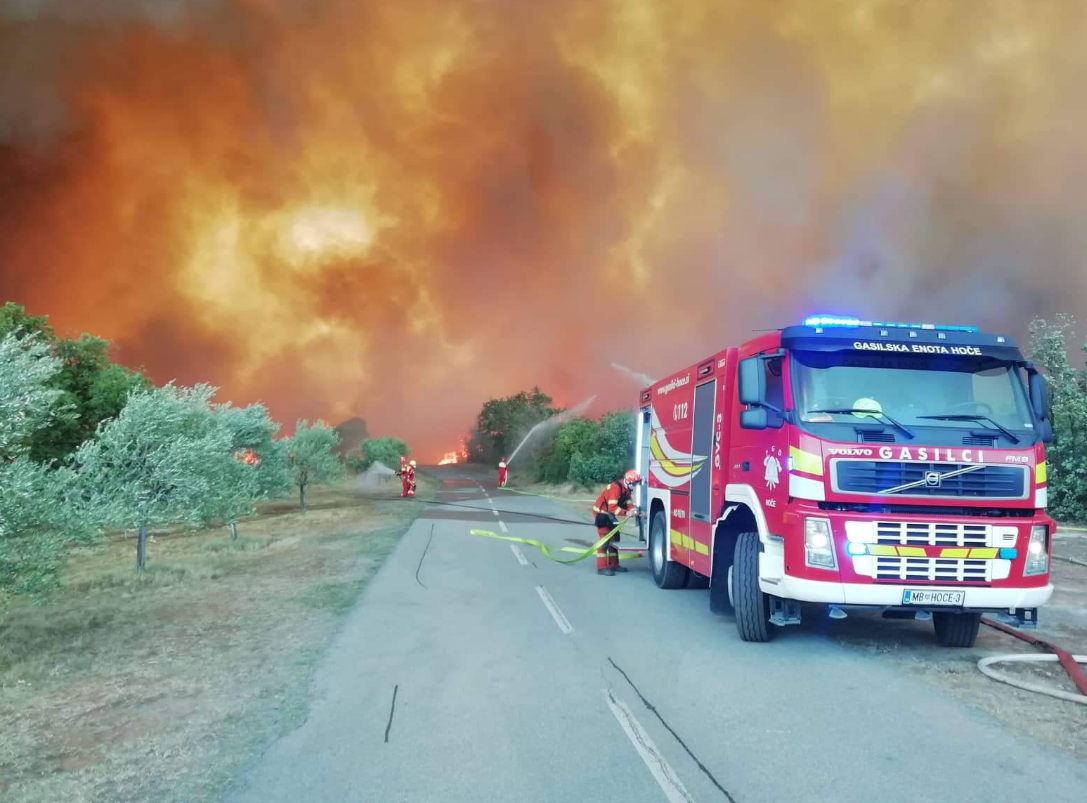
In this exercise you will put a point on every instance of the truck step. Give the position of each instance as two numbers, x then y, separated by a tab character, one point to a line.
784	612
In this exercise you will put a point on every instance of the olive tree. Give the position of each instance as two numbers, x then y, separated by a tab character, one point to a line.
311	457
27	402
37	520
157	463
255	468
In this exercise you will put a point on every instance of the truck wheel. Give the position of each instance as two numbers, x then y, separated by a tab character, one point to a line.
695	580
956	629
752	606
666	573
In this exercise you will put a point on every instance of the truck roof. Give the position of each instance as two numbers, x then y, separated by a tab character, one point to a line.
919	339
959	341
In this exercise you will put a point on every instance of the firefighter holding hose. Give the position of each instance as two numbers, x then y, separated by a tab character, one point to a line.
410	480
502	473
615	500
403	475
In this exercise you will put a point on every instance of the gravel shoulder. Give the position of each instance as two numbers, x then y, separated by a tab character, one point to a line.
910	647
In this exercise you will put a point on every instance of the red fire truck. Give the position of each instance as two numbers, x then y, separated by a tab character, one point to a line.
842	463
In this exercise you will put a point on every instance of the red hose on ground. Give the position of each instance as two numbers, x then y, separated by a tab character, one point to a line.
1063	656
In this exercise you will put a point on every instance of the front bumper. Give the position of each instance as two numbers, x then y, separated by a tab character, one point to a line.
885	595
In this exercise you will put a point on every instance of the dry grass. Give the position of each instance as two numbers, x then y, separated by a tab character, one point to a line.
910	646
159	687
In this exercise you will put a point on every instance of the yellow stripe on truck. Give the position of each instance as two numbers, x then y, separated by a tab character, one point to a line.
1040	473
685	541
806	461
880	549
667	465
887	550
954	552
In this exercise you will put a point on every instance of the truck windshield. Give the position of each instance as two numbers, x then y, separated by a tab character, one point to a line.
910	389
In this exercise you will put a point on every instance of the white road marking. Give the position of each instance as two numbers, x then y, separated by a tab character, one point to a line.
494	510
553	608
662	771
517	553
502	526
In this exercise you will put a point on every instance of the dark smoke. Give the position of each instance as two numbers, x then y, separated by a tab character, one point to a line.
396	210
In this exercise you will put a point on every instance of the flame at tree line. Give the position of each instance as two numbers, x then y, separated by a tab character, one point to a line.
398	210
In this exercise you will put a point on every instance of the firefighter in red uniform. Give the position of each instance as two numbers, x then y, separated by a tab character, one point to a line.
502	473
613	502
403	475
411	479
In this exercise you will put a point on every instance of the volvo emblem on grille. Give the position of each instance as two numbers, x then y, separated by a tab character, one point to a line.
933	479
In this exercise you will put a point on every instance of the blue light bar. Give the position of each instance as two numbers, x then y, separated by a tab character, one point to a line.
836	321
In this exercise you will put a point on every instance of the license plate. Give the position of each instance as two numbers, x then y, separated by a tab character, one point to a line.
924	596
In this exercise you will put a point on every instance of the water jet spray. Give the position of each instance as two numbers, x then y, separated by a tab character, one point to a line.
642	379
553	421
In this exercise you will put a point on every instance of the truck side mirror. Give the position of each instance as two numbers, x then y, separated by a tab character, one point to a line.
755	418
752	380
1045	431
1039	395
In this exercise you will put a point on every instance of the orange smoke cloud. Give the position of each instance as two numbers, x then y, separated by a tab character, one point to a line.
397	210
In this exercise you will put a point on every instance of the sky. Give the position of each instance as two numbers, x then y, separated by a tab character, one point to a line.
399	210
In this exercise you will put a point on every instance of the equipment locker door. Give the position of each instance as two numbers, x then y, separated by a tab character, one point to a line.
701	449
642	457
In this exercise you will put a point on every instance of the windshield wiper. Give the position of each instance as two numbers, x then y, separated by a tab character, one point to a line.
855	410
969	417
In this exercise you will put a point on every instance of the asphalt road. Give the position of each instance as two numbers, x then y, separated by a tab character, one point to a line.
465	674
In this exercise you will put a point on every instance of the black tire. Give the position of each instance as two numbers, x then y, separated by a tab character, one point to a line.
724	552
956	629
695	580
666	573
752	606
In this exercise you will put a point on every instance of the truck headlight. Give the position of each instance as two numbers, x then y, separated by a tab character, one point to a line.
819	544
1037	551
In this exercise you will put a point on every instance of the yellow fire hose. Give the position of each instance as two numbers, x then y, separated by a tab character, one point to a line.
581	553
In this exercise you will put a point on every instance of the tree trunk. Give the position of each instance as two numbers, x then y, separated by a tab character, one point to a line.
233	531
302	497
141	548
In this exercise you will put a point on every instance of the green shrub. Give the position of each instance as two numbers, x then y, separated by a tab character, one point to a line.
386	451
1066	456
587	452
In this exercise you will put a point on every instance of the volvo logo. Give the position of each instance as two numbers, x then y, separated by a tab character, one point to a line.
932	479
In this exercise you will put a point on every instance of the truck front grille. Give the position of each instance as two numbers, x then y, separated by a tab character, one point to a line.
923	533
944	570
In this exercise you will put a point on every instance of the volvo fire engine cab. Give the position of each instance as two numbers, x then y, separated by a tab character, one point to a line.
849	464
